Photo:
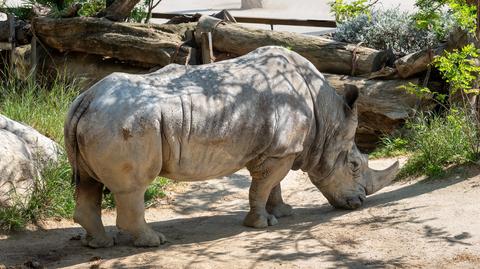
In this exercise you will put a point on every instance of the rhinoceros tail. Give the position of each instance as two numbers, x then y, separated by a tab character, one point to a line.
77	109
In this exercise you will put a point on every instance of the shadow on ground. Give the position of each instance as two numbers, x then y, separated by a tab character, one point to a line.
202	235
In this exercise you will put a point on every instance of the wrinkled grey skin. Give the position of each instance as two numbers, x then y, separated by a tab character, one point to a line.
270	111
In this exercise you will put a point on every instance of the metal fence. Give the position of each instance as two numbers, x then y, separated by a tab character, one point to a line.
269	21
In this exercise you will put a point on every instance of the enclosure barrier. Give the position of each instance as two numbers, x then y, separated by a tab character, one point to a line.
269	21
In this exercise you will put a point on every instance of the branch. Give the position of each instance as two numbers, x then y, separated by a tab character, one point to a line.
119	10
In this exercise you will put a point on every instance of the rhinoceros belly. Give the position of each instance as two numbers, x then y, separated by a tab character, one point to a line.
204	137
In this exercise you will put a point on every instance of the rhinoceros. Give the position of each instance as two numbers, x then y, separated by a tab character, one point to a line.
270	111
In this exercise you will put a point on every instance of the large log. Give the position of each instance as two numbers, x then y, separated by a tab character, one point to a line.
85	68
382	106
417	62
149	45
118	10
327	55
23	34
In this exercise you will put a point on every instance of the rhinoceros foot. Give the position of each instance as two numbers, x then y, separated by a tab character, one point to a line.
98	242
150	238
280	210
258	220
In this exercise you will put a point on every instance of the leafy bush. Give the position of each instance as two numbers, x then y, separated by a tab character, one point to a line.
91	7
391	146
386	29
429	14
458	68
441	140
345	11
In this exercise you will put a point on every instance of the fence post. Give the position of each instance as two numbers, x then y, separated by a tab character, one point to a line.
207	48
11	37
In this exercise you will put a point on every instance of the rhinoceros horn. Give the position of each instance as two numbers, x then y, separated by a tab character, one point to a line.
377	179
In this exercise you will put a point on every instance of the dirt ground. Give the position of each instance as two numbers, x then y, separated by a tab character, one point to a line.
415	224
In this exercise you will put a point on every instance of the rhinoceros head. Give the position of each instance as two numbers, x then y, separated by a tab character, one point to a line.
343	175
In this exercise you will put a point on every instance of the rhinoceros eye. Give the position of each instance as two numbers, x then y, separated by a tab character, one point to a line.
354	166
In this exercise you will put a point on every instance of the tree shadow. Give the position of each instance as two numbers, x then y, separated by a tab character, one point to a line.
208	233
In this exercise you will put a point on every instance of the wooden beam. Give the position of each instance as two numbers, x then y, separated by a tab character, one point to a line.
207	48
269	21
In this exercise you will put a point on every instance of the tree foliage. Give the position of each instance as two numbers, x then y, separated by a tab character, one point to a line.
344	10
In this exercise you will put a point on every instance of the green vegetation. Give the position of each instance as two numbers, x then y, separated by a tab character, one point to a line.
44	107
89	8
389	29
429	14
344	10
391	146
458	68
442	140
433	142
41	106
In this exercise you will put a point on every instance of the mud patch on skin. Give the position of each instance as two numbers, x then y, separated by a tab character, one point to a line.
127	167
126	133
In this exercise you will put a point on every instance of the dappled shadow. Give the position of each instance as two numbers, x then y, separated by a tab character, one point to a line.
205	237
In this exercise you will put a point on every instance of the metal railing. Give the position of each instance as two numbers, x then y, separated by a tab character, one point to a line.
269	21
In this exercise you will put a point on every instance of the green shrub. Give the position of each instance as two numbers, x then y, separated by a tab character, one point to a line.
389	29
53	197
344	10
39	105
441	140
391	146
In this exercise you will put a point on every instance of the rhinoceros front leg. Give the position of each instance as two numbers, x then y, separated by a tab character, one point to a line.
131	218
264	178
275	204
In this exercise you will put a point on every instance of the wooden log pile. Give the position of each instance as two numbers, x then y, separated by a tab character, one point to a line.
119	46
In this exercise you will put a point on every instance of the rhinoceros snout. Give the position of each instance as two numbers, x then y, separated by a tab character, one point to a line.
349	203
354	203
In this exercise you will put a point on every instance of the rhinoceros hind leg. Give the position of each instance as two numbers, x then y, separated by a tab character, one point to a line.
88	196
275	204
131	218
264	178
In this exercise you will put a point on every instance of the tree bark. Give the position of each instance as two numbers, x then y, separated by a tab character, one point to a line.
248	4
23	35
118	10
382	106
417	62
327	55
147	45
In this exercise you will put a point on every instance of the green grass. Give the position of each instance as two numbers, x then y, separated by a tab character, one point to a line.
442	140
44	107
434	142
391	146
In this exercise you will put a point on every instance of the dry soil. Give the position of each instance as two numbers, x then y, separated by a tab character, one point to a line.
415	224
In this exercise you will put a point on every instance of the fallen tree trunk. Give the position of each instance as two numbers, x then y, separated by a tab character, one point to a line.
327	55
85	68
417	62
119	10
147	45
23	34
382	106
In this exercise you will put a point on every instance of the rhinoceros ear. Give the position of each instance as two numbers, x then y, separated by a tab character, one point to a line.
350	94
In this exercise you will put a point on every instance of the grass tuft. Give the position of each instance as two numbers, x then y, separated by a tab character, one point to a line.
434	141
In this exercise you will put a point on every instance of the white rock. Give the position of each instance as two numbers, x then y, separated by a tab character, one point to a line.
24	153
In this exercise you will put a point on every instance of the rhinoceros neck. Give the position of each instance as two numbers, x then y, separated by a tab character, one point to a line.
328	114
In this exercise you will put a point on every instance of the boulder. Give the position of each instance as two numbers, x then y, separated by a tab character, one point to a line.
24	153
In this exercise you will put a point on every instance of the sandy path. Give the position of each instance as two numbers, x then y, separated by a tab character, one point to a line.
433	224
